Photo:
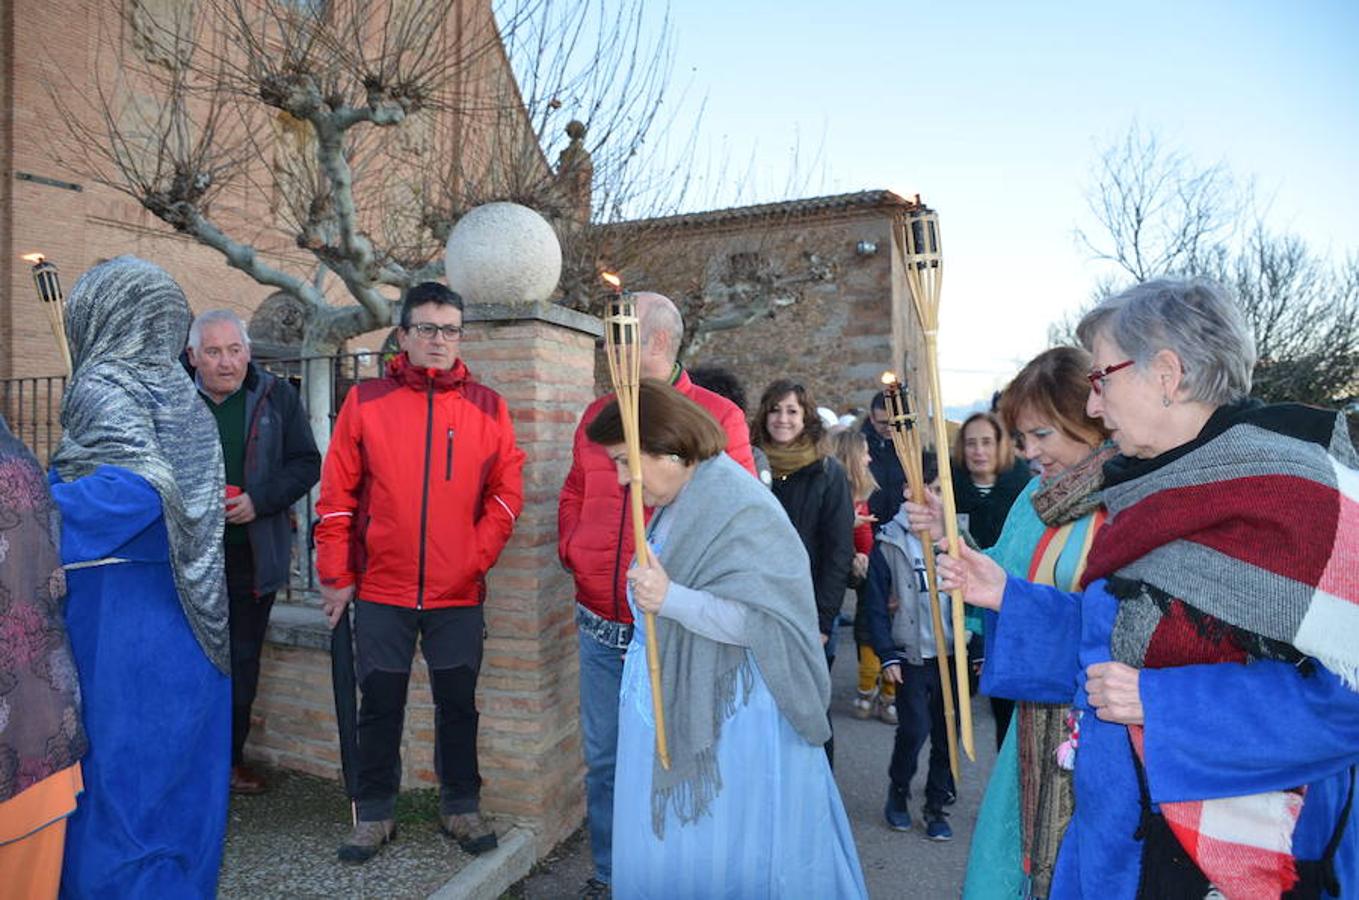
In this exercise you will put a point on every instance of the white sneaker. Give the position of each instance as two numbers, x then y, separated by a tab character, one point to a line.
887	710
863	706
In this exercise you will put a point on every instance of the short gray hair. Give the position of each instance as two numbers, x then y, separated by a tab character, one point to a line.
215	315
1196	319
657	313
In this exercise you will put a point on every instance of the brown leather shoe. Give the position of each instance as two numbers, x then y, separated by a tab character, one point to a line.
366	840
245	780
470	830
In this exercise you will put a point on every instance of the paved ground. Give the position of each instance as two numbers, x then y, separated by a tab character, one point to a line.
282	845
896	864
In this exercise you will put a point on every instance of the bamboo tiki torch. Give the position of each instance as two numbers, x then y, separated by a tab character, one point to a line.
623	347
918	241
906	441
53	302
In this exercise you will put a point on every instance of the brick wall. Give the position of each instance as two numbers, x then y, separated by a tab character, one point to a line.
73	46
541	360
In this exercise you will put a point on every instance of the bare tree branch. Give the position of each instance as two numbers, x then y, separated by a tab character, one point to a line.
1157	215
1160	215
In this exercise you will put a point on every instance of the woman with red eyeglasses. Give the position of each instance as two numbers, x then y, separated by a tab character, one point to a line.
1213	647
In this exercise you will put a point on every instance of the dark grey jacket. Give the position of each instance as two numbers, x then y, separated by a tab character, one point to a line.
281	465
896	570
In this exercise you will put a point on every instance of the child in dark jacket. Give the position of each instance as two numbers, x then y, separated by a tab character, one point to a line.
904	641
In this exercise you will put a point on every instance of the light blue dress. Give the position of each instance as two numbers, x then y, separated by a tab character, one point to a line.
777	827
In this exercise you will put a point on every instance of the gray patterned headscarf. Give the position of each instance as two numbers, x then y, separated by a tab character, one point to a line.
131	404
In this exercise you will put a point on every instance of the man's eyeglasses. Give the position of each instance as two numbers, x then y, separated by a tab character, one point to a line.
428	330
1097	377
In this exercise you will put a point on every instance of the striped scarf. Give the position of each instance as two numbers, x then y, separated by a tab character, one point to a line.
1238	545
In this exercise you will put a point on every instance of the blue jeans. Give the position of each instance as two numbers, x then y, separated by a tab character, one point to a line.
601	674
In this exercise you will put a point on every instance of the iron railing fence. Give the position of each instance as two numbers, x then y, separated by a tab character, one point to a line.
32	407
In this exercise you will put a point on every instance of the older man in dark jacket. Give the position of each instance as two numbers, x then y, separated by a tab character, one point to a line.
271	462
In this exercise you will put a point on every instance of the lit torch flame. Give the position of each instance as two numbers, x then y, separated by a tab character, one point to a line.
34	258
889	378
612	278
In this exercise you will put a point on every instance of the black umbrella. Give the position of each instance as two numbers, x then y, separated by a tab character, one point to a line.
345	682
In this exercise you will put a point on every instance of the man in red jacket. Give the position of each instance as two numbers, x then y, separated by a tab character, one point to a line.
419	494
595	543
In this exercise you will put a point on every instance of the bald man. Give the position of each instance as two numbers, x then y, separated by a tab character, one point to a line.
595	545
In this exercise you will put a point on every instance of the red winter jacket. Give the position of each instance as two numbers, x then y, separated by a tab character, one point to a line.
594	527
420	490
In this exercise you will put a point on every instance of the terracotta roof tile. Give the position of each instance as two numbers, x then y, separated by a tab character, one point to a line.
810	206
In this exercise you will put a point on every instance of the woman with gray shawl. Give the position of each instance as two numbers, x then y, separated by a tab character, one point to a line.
138	478
748	807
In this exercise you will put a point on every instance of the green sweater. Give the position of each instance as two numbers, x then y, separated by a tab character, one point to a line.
230	416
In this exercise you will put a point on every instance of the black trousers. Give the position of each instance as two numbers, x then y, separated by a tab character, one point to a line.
248	620
920	715
1002	710
451	642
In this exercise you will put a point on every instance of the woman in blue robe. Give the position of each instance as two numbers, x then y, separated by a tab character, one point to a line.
1214	647
138	478
748	807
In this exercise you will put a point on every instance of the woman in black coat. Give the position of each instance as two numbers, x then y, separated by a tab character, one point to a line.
986	480
814	491
986	476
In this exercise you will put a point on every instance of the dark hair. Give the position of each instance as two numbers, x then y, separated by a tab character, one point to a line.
1005	451
721	382
812	428
1054	386
929	466
879	401
428	293
669	422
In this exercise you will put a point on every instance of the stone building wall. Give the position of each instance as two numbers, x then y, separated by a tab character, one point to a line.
832	315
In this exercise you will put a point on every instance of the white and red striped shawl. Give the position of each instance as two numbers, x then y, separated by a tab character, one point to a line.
1238	545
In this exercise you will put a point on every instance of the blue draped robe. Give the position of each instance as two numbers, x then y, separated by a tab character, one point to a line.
158	713
1211	731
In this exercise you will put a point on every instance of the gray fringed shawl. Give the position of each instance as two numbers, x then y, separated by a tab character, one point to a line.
130	404
728	535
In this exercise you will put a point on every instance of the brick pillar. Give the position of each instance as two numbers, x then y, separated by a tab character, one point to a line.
540	357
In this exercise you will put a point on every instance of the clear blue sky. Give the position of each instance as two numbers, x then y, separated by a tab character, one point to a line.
994	112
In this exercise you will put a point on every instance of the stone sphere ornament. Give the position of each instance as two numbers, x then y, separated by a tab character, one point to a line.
503	253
